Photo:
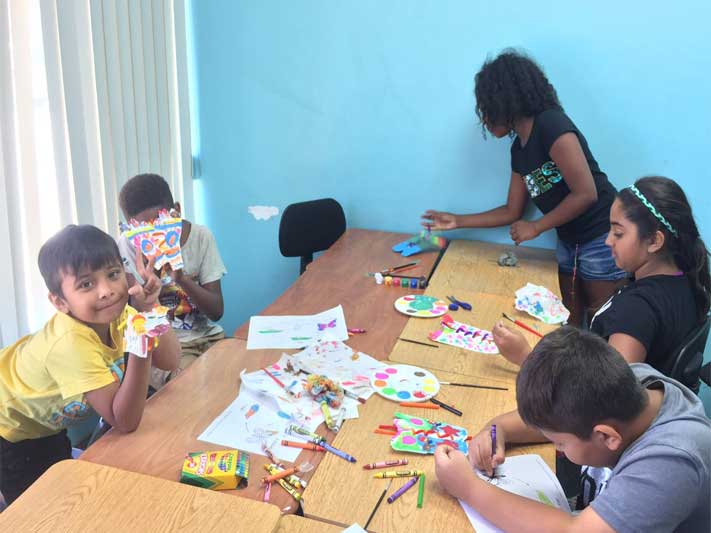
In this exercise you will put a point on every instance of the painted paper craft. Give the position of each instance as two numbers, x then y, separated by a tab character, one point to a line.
340	363
143	330
422	242
404	383
464	336
419	435
422	306
159	239
296	331
542	304
526	475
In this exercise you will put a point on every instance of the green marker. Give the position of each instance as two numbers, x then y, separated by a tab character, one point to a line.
421	491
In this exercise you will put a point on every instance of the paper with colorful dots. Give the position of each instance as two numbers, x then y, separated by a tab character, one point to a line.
420	305
404	383
541	303
464	336
419	435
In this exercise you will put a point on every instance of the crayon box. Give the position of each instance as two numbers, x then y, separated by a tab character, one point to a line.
219	470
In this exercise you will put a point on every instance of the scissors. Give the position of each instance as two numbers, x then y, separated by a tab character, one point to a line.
456	304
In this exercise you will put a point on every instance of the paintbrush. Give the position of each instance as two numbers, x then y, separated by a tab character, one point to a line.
380	500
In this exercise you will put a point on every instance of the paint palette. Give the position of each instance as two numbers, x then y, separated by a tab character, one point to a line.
421	306
404	383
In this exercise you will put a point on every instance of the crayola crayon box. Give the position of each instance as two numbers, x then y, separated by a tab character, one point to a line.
220	470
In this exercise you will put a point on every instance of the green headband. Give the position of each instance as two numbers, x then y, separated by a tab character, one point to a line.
652	209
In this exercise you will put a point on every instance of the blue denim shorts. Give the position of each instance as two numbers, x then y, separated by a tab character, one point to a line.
595	261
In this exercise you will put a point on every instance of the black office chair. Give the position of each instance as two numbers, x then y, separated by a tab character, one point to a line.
309	227
685	365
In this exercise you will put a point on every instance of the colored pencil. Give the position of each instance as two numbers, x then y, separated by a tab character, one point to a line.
380	500
276	380
420	342
471	385
423	405
385	432
522	325
446	407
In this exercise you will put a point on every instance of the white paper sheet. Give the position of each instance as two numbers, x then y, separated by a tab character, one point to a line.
295	331
252	420
525	475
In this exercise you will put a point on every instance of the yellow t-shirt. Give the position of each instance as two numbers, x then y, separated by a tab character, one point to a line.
43	377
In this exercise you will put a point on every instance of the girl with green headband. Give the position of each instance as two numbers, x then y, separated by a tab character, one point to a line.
653	236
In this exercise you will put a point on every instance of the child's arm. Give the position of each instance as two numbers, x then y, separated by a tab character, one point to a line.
569	157
121	404
144	297
501	216
630	348
207	298
506	510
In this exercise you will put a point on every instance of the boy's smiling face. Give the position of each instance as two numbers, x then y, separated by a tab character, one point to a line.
94	297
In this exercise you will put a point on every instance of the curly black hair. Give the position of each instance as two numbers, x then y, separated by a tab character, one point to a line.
510	87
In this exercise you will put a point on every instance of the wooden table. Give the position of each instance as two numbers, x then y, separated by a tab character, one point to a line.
180	411
299	524
486	311
470	266
344	493
80	496
338	277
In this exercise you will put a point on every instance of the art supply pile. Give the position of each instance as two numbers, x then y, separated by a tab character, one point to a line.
278	396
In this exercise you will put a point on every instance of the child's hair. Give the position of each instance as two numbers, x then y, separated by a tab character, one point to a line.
73	248
510	87
145	191
684	244
573	380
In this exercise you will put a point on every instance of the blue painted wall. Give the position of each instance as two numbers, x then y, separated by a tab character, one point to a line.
372	103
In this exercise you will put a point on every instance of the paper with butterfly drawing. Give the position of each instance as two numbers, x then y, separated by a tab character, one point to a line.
296	331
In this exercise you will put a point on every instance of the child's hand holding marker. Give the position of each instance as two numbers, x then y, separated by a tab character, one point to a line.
482	455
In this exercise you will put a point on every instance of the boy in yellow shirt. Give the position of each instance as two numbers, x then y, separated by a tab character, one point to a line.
55	377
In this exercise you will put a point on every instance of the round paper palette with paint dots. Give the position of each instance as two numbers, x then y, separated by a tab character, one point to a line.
421	306
404	383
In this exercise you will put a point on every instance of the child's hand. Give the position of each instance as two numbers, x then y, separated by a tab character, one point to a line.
480	455
145	297
454	472
523	230
175	275
439	220
511	344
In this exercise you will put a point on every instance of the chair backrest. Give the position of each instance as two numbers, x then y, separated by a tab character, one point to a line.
309	227
685	365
